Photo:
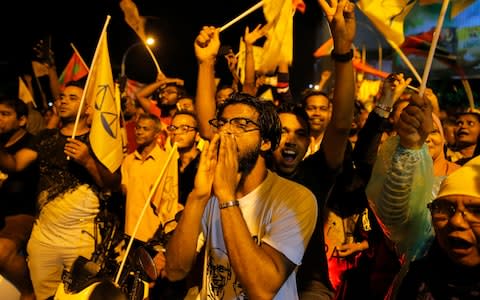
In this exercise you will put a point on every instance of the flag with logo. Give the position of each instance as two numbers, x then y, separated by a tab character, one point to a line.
76	69
105	132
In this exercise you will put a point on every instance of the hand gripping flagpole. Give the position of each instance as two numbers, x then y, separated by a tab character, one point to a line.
89	76
142	213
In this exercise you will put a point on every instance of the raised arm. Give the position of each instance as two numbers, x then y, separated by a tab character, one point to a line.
250	38
402	180
182	246
206	47
341	17
144	94
369	137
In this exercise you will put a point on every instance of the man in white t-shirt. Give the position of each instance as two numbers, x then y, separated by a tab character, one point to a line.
254	224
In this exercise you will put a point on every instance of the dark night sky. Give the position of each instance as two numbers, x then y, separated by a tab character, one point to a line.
80	23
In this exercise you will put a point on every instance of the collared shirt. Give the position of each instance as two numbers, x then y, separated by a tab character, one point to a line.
138	176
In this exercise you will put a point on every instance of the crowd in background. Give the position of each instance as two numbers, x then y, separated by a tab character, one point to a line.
321	195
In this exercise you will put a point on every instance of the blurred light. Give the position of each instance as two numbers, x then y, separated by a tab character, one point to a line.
150	41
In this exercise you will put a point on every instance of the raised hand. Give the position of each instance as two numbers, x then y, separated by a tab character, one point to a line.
44	53
251	37
206	169
415	123
226	173
341	17
207	43
393	87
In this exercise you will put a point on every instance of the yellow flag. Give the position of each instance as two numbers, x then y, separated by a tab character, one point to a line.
279	44
388	16
105	132
165	201
24	93
39	69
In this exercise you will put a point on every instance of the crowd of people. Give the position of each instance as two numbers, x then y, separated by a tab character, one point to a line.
297	197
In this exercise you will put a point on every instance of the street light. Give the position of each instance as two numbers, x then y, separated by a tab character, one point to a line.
123	78
150	41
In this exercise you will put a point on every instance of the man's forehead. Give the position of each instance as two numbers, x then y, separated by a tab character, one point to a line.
184	119
240	109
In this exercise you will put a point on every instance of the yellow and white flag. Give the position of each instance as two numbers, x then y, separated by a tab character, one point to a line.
279	44
165	200
105	132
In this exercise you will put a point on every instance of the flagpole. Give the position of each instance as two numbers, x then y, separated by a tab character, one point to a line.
405	60
104	30
153	58
244	14
79	56
145	206
431	52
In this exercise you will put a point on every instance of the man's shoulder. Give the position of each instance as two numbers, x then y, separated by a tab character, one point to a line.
286	184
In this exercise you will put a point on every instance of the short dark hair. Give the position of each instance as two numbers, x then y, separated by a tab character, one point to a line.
307	93
20	107
77	83
270	126
149	116
295	109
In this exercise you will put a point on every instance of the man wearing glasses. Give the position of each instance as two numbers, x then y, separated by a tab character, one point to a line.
254	224
184	132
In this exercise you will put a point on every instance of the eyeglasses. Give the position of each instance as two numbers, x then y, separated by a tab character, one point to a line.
443	210
237	125
180	129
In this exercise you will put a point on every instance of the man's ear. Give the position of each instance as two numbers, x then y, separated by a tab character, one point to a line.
22	122
266	145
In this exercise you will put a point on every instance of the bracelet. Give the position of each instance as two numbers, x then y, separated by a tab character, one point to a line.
229	204
382	112
385	107
344	57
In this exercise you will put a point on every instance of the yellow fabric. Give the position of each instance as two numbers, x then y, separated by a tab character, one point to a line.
23	92
104	98
463	181
279	44
165	200
387	16
138	177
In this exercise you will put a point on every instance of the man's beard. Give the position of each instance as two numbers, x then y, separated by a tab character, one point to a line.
247	161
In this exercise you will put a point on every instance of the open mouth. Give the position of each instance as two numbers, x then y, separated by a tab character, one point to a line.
459	243
289	155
